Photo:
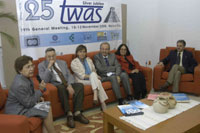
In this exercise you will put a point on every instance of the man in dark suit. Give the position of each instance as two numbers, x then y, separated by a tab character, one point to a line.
181	61
56	72
110	70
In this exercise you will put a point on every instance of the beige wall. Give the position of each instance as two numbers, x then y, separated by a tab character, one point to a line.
10	52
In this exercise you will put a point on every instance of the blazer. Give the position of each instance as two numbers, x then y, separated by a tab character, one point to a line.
79	70
49	77
125	64
188	61
21	96
102	68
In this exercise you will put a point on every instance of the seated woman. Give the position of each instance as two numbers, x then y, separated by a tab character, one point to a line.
133	69
85	72
22	96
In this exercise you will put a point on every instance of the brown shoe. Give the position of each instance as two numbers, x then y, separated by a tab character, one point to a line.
70	121
81	119
164	87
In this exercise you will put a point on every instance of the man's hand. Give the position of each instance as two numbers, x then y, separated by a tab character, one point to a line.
70	90
86	76
160	64
42	85
98	77
41	99
118	79
135	71
51	62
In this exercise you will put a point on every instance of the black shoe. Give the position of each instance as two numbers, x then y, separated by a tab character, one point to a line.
70	121
122	101
81	119
129	98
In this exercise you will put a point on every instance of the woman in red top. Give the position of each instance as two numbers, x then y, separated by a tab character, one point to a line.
133	69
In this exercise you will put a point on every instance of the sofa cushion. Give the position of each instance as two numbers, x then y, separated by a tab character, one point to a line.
92	54
107	85
34	123
2	97
184	77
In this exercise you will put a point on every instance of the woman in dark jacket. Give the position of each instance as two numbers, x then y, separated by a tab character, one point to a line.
133	69
23	98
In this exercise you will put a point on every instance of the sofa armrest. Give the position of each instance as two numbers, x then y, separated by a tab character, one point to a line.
197	74
46	94
147	71
157	74
14	124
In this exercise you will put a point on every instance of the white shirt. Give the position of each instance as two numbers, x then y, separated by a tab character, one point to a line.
181	57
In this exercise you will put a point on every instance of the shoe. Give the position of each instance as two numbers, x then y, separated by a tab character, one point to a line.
95	102
81	119
70	121
122	102
125	102
164	87
129	98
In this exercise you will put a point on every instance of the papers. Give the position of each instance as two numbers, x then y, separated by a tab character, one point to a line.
151	118
181	97
138	104
44	106
133	108
129	110
152	96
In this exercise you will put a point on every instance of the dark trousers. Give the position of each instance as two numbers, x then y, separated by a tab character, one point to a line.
139	85
116	86
77	97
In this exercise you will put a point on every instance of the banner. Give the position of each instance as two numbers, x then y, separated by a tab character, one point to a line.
63	24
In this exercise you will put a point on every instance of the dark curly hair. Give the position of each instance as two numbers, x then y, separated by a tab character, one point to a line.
118	50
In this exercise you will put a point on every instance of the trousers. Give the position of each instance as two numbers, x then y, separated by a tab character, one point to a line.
96	84
174	76
77	98
116	86
139	85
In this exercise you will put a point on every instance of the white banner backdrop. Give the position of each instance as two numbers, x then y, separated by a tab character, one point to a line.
63	24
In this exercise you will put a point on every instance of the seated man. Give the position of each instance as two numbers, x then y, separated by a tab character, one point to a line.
110	70
56	72
181	61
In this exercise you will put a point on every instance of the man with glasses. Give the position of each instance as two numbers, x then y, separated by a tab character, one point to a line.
110	70
56	72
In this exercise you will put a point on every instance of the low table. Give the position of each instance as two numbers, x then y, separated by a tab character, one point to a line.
188	121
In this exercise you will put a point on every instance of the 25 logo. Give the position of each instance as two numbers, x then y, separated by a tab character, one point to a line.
32	7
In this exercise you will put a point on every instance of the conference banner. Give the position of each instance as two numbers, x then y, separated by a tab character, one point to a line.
64	24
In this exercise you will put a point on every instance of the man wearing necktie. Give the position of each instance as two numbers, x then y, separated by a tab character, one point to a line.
110	70
181	61
56	72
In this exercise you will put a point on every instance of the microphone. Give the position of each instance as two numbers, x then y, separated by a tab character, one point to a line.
40	80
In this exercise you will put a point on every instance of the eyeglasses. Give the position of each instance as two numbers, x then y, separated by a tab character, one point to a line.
29	66
123	49
105	49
